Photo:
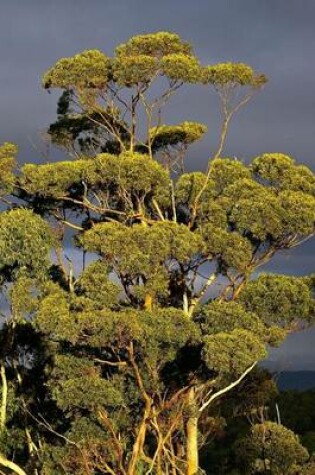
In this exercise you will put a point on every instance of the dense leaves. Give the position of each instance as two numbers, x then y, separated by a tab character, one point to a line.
278	298
131	299
274	448
25	241
8	152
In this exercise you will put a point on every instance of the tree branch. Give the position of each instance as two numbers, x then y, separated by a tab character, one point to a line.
11	465
227	388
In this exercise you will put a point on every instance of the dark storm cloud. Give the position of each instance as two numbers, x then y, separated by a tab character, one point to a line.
274	36
277	37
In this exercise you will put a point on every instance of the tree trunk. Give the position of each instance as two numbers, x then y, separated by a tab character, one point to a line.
4	390
192	457
11	465
148	302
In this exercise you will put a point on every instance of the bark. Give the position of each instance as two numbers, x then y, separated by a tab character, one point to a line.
3	410
142	429
138	445
11	465
228	388
148	302
192	456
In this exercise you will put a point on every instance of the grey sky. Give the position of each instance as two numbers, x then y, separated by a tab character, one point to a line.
277	37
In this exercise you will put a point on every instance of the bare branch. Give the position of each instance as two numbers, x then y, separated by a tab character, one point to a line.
11	465
227	388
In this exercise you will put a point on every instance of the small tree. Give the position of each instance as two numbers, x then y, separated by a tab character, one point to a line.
272	448
166	319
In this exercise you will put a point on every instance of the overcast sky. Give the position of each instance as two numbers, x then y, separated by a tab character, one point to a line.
276	37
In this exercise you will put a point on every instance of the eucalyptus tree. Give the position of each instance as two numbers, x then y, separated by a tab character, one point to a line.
272	448
167	317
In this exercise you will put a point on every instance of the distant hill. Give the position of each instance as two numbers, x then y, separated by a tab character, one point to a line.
297	380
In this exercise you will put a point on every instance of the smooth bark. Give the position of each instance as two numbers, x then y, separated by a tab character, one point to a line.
192	457
11	465
4	398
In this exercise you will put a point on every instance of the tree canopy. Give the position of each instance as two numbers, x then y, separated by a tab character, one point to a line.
111	366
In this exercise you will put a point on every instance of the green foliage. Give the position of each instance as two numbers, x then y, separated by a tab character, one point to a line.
190	184
219	317
233	73
23	297
95	287
301	420
232	198
162	241
233	352
281	172
300	212
76	384
185	133
122	248
53	316
258	217
108	365
7	165
131	70
52	179
25	241
181	68
244	188
272	447
230	248
89	69
234	338
225	172
139	175
85	132
127	177
156	45
145	56
94	113
278	299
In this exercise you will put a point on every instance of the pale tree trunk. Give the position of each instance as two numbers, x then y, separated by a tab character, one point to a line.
194	413
192	457
4	391
4	462
148	302
138	445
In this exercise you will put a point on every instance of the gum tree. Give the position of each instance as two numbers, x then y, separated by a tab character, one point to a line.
272	448
166	317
